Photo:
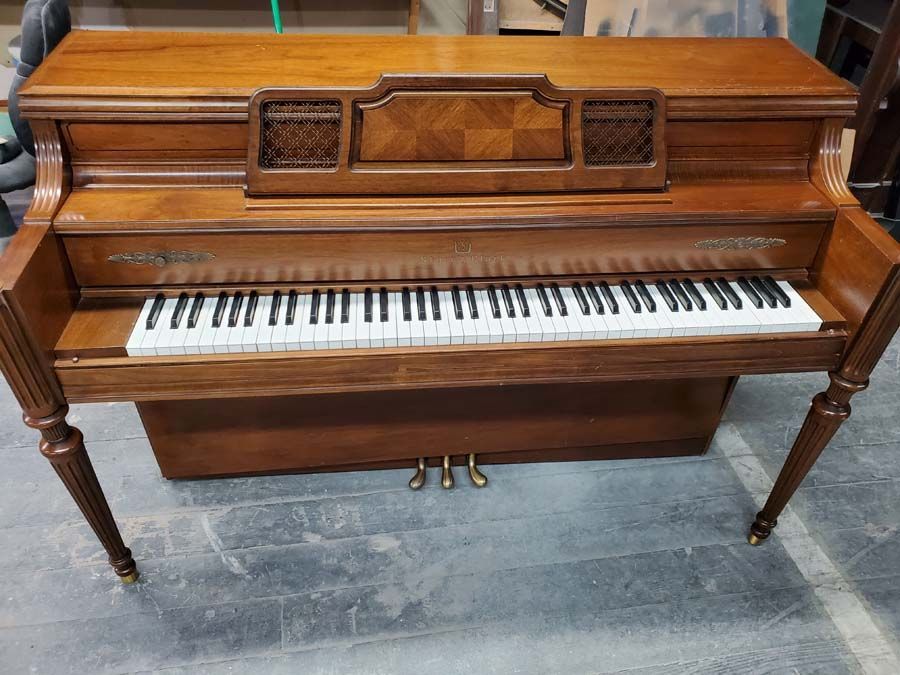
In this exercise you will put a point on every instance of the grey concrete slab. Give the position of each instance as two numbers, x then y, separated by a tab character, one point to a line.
662	635
145	641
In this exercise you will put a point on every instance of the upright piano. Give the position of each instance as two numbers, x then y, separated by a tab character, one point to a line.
321	253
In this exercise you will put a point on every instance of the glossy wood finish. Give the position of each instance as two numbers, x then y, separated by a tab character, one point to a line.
479	134
221	66
145	145
195	438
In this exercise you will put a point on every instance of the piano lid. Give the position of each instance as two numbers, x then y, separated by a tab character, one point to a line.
139	64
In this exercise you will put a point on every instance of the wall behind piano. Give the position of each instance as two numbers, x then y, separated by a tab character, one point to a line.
312	16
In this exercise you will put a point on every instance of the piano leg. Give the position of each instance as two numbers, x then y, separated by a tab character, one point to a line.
828	411
64	447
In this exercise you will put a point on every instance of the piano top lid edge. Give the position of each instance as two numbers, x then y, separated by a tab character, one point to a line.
233	66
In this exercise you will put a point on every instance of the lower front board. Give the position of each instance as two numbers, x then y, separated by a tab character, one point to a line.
224	437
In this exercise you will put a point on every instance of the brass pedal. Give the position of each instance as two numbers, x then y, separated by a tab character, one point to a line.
418	480
447	474
478	478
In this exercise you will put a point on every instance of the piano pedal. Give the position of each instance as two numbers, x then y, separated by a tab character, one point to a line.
478	478
447	474
418	480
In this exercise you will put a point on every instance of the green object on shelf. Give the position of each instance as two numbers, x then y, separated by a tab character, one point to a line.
276	16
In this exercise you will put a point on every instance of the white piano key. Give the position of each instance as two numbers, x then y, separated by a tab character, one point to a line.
482	327
442	325
279	330
320	328
743	321
585	329
622	324
391	338
362	326
376	328
348	330
532	322
207	341
335	328
306	331
494	325
164	328
133	346
457	332
264	330
194	335
404	338
547	330
250	334
507	324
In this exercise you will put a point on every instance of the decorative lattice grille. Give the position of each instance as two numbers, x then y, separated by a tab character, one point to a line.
300	134
617	133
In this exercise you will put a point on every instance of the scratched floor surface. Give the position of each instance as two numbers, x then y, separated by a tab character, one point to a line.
554	568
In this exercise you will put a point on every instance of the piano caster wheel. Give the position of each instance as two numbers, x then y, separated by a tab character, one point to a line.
478	478
418	480
447	474
130	578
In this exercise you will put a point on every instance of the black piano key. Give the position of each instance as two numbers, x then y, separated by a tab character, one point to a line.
194	316
751	294
631	297
692	291
682	296
779	293
647	299
178	314
523	301
219	312
473	305
595	298
274	308
235	313
581	298
156	310
717	297
495	303
329	306
291	308
407	305
383	301
545	301
345	306
420	303
667	296
367	306
435	304
764	292
610	298
729	293
251	309
314	308
508	301
457	303
558	298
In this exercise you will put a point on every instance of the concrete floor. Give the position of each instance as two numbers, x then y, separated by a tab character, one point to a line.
554	568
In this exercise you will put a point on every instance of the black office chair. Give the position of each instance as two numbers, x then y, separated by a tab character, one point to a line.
44	24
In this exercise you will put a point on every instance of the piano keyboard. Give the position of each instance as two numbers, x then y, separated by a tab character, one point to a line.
502	313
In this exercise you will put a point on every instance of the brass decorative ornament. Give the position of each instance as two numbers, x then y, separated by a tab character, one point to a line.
162	258
739	243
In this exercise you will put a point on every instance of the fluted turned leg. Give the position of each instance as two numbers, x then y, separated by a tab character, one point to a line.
828	411
64	447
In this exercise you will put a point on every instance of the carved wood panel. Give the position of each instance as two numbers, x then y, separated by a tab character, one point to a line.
492	126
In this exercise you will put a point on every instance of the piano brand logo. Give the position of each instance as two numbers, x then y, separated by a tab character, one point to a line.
462	251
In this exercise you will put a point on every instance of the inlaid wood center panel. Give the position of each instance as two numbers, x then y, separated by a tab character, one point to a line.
462	128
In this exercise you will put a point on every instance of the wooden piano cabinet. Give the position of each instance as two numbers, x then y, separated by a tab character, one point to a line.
868	294
37	299
371	430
